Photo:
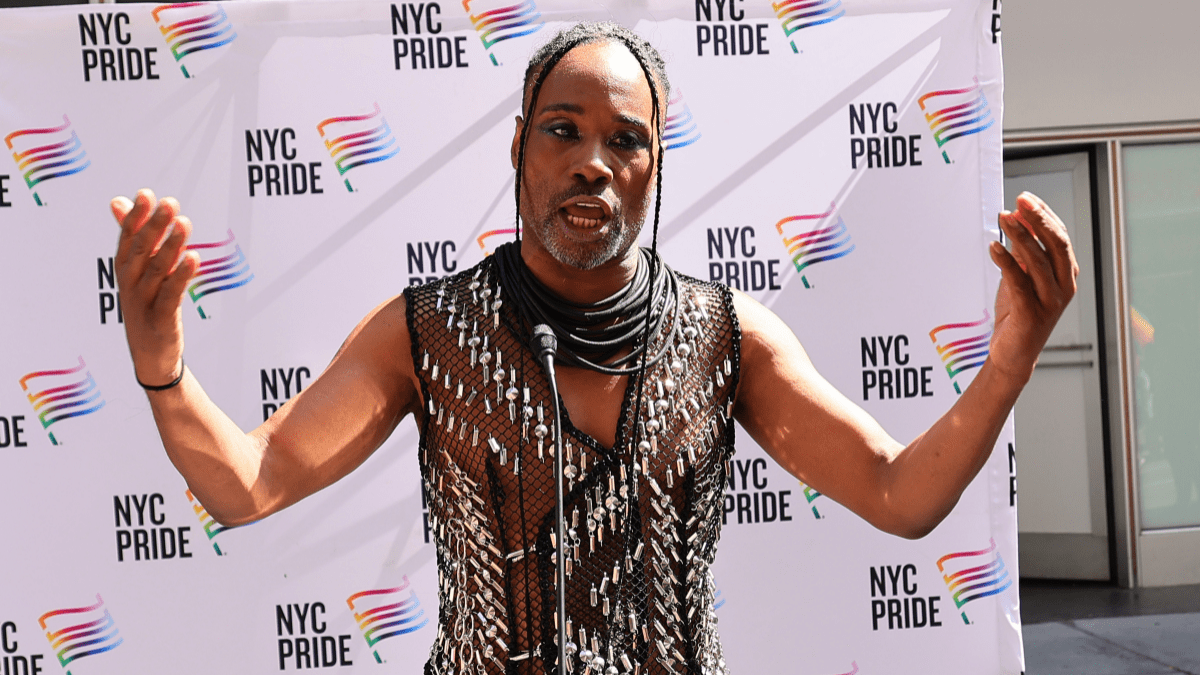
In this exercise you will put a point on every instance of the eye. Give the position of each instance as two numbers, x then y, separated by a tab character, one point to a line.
563	130
630	140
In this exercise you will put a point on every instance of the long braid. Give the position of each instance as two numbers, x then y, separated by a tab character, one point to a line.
528	113
655	123
655	71
649	60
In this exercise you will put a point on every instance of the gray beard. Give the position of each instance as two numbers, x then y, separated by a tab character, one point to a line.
590	256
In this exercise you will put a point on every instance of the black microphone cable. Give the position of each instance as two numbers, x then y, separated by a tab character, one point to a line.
544	345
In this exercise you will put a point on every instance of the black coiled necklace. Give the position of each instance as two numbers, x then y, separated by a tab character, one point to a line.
591	335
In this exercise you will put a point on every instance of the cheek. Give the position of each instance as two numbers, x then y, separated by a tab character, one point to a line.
638	181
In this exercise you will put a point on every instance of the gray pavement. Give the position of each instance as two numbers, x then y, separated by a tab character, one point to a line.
1097	629
1135	645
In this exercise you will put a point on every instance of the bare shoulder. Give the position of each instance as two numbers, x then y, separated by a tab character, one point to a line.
378	354
780	387
769	347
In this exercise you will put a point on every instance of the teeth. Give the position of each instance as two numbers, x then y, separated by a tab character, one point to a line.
584	222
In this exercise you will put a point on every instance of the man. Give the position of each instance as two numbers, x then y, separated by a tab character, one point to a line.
654	368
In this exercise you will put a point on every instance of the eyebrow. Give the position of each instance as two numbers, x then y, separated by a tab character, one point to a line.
578	110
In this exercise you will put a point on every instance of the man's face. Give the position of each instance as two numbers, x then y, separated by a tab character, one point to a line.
588	174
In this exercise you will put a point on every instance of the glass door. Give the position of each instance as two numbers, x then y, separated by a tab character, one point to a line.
1161	190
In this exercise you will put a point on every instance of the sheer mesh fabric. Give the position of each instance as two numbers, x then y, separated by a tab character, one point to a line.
644	517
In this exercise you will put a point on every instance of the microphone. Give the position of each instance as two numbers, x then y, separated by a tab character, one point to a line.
544	345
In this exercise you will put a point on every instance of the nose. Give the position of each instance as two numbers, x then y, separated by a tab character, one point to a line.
591	164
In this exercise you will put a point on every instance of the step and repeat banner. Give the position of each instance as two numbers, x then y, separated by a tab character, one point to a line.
839	160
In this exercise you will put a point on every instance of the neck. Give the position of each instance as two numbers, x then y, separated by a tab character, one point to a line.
577	285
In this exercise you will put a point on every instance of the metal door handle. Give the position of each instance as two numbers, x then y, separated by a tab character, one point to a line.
1067	348
1067	364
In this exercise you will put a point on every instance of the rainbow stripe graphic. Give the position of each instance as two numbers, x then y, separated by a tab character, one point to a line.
493	233
811	495
211	527
388	619
504	23
62	401
218	274
797	14
966	113
963	353
201	30
979	581
681	130
818	244
53	156
95	635
359	146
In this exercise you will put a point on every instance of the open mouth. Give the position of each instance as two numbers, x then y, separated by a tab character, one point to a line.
586	212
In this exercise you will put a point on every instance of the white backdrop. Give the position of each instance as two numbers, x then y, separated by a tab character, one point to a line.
839	161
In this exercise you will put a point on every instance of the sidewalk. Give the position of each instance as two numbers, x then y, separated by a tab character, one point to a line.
1092	629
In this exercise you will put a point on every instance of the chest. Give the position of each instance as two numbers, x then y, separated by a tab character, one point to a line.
593	402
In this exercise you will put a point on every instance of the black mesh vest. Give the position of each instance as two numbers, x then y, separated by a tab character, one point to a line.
644	517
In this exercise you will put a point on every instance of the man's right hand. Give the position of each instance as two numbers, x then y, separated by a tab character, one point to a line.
323	432
152	276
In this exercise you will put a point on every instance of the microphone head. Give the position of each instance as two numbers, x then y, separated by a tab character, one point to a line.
543	343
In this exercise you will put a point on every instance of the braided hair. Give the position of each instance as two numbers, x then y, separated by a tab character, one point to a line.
540	65
548	56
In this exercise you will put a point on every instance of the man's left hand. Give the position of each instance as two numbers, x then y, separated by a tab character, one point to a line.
1037	282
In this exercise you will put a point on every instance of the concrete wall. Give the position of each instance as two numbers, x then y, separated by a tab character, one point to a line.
1071	63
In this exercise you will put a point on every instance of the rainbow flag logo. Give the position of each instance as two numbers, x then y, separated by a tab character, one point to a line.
93	633
826	239
795	15
211	527
964	112
984	575
192	27
385	612
225	271
681	130
66	394
54	152
493	233
504	23
962	347
365	141
811	496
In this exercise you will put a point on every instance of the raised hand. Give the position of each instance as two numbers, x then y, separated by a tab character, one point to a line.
153	270
1037	282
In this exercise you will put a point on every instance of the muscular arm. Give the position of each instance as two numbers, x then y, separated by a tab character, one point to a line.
824	439
320	435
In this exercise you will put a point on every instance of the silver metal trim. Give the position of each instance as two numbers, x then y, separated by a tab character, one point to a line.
1067	364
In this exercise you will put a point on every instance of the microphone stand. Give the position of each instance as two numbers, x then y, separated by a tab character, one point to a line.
545	344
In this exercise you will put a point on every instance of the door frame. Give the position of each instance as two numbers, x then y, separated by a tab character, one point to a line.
1090	151
1143	557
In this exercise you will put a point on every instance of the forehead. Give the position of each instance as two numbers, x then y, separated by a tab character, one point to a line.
599	73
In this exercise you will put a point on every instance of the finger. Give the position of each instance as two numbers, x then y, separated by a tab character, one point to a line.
149	237
1010	269
131	219
1032	258
121	206
170	294
165	259
1051	231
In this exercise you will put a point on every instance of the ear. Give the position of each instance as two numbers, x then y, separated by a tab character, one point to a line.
516	141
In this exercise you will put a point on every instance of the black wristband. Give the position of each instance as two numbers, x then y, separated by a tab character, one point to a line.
161	387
